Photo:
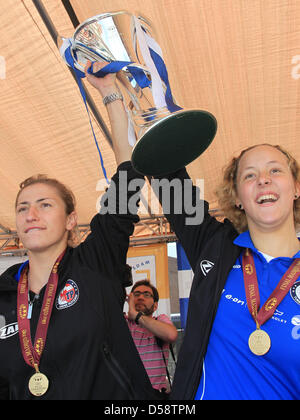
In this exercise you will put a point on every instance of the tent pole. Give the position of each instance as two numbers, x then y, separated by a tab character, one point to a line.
54	34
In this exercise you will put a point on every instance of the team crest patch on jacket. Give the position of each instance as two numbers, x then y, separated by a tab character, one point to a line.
295	292
68	296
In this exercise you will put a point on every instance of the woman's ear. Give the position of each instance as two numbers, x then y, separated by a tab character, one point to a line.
238	204
71	220
297	190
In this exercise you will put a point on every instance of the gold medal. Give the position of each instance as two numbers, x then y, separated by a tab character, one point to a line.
38	384
259	342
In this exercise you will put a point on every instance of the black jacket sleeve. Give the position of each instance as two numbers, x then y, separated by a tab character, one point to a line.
4	389
106	246
188	214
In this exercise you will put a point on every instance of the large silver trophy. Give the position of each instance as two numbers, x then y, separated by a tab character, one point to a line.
167	136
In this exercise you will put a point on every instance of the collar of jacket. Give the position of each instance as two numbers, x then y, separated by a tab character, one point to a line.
244	240
9	279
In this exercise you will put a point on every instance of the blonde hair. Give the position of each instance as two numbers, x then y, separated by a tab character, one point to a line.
227	191
64	192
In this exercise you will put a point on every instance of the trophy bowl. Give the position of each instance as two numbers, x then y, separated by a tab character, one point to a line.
166	136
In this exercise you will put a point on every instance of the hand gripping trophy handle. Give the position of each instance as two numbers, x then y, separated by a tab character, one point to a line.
166	136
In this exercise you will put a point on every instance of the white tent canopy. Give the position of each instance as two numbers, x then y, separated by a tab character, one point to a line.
238	59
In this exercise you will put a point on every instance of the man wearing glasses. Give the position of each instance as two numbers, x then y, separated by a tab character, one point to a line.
148	332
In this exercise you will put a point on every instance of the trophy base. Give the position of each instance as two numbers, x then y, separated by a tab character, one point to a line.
173	142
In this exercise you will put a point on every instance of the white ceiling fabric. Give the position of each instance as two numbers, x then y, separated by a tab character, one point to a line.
238	59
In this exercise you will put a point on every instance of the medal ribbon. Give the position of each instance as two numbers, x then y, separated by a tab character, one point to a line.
260	316
32	354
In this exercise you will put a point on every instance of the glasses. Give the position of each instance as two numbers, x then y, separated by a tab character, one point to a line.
146	294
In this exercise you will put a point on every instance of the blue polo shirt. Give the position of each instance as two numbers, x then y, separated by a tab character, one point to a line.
230	370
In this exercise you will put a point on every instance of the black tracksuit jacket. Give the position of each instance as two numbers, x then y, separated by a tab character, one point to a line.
209	241
89	353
